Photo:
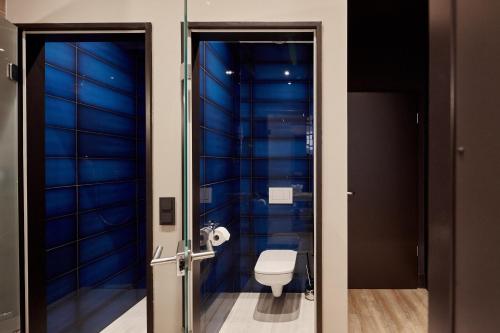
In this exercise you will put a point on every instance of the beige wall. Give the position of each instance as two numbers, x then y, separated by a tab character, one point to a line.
165	16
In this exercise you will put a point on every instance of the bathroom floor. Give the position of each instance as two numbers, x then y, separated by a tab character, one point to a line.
132	321
388	310
255	312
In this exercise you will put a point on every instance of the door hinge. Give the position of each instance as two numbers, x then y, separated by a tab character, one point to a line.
189	71
12	72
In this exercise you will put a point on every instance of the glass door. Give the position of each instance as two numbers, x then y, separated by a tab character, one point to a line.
9	206
253	180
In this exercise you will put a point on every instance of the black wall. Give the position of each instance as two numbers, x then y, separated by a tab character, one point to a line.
388	52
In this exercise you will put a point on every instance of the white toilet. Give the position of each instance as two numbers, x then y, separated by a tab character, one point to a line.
274	268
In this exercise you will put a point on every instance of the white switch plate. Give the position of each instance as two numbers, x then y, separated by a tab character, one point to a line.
281	195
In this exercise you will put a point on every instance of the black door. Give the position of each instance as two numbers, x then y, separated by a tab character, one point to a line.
382	212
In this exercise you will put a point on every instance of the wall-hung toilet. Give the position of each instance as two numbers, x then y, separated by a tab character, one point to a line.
275	268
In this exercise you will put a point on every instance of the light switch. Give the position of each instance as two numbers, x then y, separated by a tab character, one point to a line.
281	195
205	195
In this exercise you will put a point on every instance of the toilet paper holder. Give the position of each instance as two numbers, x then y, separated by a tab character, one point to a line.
207	234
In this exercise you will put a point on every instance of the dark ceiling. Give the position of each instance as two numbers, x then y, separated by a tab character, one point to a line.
387	45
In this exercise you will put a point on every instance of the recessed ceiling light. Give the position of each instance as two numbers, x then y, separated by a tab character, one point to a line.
2	50
286	72
289	83
229	72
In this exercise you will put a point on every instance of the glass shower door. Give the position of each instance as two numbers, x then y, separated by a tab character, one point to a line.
9	223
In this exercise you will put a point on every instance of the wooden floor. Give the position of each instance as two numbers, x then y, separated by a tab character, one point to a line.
388	310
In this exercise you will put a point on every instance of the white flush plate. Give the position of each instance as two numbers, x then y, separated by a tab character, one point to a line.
281	195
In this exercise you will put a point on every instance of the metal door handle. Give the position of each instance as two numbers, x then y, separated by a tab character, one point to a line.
209	253
157	260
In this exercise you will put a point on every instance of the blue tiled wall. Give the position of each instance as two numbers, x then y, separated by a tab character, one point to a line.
276	150
219	176
94	177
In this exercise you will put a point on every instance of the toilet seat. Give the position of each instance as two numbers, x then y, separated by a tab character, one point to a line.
276	262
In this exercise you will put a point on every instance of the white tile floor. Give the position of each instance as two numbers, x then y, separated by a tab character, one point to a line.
262	313
252	312
132	321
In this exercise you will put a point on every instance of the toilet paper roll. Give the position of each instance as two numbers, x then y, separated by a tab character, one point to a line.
220	236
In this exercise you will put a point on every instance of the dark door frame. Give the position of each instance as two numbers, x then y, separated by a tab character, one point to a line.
35	297
441	168
253	32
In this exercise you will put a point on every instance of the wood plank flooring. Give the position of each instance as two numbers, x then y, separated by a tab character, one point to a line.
388	310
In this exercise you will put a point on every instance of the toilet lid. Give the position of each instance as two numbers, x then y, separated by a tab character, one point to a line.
276	262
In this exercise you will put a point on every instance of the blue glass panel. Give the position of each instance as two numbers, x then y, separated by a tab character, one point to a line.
289	53
61	287
60	201
59	112
105	219
282	128
280	71
217	68
244	110
105	170
216	93
244	91
244	128
201	53
60	231
215	118
60	260
225	217
280	91
100	121
93	145
92	248
59	172
59	83
91	67
245	168
59	143
99	96
95	196
279	148
263	243
222	193
218	145
124	279
61	55
98	271
244	147
278	224
222	50
281	168
218	169
284	108
109	52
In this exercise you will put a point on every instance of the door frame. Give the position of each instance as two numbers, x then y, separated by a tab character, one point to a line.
275	27
27	237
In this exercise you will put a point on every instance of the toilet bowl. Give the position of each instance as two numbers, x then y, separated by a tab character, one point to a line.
274	268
